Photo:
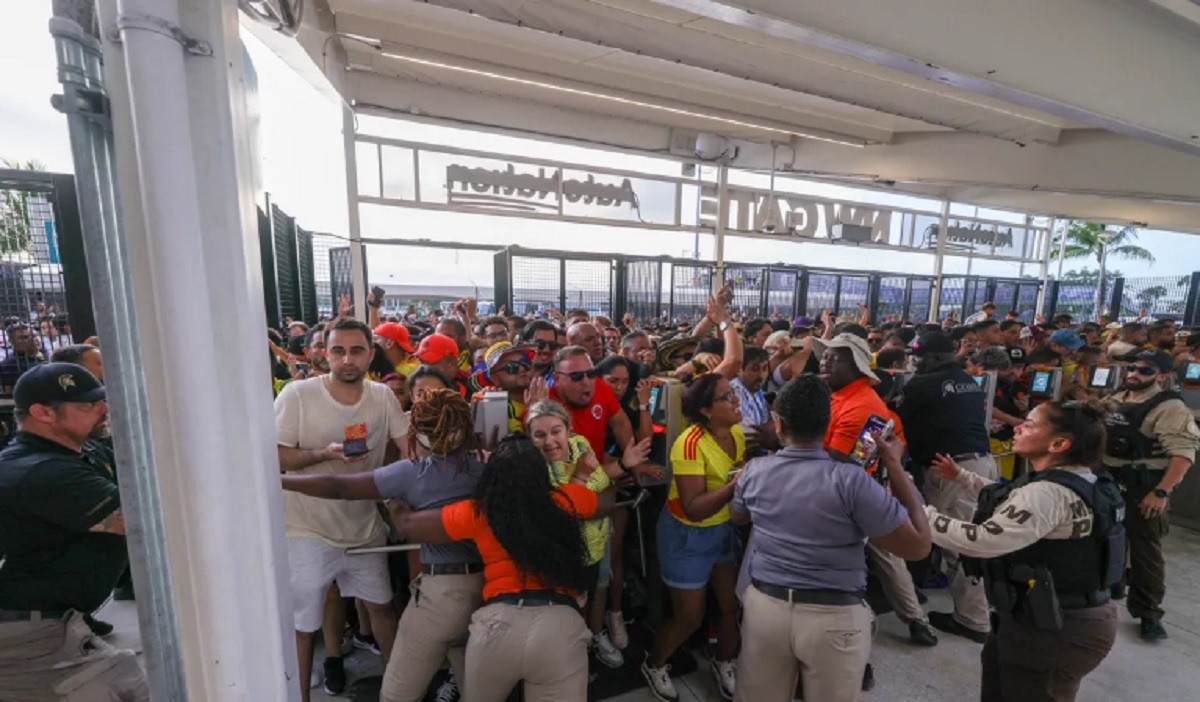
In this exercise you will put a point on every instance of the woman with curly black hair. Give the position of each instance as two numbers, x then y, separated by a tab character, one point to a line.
535	565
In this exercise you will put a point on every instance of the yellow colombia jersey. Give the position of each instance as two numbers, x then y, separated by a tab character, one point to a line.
595	531
696	452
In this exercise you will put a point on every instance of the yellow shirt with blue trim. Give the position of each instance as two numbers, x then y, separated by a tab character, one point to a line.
596	532
696	452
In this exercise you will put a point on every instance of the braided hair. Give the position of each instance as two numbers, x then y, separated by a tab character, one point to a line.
516	497
442	423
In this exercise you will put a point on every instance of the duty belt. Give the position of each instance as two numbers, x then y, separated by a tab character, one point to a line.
793	595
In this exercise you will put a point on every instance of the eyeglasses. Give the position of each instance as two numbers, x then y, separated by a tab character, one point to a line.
577	376
514	367
1141	370
729	397
543	345
502	334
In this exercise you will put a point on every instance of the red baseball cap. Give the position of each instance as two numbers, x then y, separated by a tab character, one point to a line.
435	347
397	333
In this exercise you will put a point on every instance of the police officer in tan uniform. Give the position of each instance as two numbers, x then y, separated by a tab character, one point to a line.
1152	442
63	538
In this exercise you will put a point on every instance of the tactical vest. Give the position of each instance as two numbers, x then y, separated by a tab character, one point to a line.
1082	568
1126	441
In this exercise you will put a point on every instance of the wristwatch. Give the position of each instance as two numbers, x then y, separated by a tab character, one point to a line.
1162	494
645	407
723	326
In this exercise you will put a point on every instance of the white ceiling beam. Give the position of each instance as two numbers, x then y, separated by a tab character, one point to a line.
1107	65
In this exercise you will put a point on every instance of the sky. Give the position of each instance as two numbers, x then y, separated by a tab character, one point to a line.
300	147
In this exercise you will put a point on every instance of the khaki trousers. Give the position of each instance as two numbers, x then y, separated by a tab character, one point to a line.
956	502
63	661
828	646
897	584
434	626
547	647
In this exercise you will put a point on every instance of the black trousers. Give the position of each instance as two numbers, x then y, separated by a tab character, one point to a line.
1022	663
1147	570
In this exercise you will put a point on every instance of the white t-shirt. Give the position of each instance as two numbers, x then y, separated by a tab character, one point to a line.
307	417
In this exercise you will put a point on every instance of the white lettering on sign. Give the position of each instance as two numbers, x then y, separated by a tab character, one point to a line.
504	186
977	234
801	217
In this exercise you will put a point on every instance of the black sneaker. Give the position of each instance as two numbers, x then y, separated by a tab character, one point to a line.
1152	630
920	634
945	621
123	593
98	627
868	682
335	675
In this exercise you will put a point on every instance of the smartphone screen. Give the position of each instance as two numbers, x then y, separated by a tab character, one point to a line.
1041	382
355	443
1100	376
654	393
1192	372
865	451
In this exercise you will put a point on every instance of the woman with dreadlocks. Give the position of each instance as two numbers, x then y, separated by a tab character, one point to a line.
528	531
446	469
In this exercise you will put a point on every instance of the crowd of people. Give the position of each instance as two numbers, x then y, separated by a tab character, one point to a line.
812	456
883	431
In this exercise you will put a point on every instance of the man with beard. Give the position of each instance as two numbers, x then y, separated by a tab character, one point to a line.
63	535
1152	442
1161	336
337	423
314	351
510	369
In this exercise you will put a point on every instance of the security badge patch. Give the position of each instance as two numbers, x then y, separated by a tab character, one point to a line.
66	381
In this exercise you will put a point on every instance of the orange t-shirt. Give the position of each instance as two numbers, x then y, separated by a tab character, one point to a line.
849	410
462	521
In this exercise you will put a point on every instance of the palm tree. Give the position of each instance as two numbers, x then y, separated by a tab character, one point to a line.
1093	240
15	233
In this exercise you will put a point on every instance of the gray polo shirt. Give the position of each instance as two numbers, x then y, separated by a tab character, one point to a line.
428	483
811	517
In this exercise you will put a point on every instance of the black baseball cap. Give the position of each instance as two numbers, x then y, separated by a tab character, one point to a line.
1160	359
932	342
56	382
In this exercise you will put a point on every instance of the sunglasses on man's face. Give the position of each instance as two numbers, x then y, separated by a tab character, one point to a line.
514	367
1141	370
544	345
577	376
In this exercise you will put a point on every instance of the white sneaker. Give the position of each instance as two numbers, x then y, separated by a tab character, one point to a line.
606	652
726	676
659	680
616	629
315	680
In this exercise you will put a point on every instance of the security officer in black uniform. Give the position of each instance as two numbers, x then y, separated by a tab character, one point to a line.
1152	442
1048	547
63	537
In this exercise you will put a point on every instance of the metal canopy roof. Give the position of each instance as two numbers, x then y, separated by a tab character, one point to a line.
1079	108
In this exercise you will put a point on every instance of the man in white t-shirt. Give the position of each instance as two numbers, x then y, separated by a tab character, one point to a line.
337	423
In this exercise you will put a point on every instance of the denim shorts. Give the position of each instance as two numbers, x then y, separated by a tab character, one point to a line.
687	554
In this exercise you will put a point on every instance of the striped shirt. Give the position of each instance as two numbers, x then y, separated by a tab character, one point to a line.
754	404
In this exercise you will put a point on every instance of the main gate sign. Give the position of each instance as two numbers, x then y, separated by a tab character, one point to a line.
408	174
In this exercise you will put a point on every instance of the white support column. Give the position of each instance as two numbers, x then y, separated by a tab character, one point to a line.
1044	274
935	300
722	223
1062	248
174	70
358	274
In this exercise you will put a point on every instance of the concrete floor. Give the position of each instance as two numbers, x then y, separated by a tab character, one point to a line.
1134	671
